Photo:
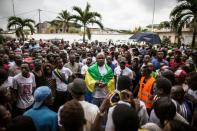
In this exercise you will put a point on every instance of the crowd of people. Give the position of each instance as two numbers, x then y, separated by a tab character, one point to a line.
62	86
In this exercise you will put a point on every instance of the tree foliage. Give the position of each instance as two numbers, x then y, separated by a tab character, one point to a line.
20	26
185	13
85	18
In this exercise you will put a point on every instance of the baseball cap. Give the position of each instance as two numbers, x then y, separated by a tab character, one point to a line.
40	95
77	87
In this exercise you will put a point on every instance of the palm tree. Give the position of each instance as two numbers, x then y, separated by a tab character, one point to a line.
64	19
86	17
177	29
186	12
21	25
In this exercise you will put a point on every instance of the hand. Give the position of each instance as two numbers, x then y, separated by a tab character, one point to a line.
105	104
126	95
102	84
97	83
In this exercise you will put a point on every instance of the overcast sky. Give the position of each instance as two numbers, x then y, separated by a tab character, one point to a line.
117	14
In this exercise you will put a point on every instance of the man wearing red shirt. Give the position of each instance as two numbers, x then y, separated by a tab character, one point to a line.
176	62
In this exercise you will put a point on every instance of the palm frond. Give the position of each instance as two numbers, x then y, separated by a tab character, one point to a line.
78	10
76	18
87	9
14	18
29	21
181	24
179	17
59	18
30	26
97	15
180	8
97	22
12	24
61	15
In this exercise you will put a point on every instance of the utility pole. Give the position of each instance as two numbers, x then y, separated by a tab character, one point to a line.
13	8
39	24
153	17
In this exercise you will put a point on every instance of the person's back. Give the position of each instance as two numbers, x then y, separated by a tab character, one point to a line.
125	118
174	125
21	123
123	85
72	116
77	89
90	112
44	118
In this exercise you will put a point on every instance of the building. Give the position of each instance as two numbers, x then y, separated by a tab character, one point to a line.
42	27
99	31
186	37
47	28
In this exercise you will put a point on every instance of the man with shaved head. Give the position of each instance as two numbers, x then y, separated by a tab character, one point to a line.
99	79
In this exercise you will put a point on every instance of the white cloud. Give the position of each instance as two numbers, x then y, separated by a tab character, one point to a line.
118	14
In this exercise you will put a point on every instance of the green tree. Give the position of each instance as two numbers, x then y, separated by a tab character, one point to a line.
177	29
63	20
154	26
185	12
20	25
86	17
164	24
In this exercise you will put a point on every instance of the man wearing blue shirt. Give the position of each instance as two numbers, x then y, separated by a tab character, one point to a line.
159	60
43	118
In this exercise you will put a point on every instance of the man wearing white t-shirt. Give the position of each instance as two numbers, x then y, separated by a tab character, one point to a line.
77	89
23	86
122	70
86	66
62	75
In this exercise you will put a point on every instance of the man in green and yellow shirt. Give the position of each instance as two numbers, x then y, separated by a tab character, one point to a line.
99	80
